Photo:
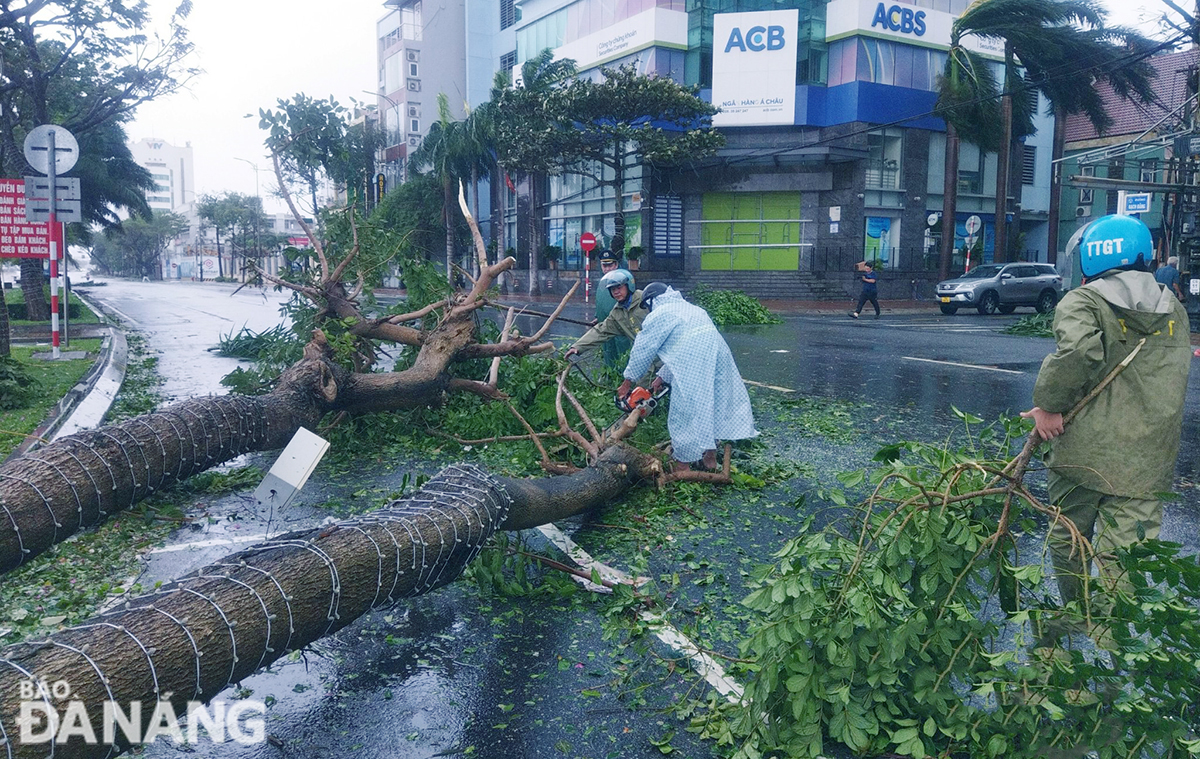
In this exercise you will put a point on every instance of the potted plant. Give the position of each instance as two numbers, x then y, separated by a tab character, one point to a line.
550	256
633	254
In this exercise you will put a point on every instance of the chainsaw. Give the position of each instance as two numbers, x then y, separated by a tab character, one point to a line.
642	400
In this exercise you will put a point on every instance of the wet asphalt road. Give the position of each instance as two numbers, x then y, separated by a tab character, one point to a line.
466	673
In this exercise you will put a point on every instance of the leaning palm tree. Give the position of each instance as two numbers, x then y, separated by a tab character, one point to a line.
967	93
444	152
1065	50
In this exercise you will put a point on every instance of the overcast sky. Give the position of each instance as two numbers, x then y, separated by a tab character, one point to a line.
255	52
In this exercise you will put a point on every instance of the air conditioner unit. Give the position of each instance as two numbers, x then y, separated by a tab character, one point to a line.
414	85
414	141
412	55
414	111
1082	211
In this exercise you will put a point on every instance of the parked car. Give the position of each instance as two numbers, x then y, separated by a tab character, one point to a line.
993	288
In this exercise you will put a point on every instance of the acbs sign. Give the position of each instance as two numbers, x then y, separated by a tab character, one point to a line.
899	18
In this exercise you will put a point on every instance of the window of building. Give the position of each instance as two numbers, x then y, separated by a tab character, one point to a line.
414	125
883	167
508	14
1148	171
970	169
1029	165
1086	197
508	60
668	226
413	70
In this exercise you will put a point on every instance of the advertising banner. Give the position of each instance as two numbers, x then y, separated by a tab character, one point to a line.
900	22
208	264
754	67
20	238
656	27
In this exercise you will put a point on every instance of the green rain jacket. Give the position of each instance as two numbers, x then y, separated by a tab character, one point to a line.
620	321
1126	440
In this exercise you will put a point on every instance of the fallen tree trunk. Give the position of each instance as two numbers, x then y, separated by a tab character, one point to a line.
50	493
195	636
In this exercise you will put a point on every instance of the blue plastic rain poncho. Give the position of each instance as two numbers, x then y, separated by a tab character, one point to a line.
708	399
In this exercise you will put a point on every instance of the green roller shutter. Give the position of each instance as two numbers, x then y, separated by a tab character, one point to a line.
761	228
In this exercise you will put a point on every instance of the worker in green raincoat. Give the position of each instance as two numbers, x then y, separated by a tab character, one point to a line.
618	345
1107	466
625	318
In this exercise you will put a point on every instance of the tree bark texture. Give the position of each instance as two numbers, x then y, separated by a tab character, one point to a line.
1055	210
50	493
190	639
949	202
37	309
1004	159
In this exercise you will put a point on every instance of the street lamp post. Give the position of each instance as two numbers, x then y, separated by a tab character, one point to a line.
399	130
257	239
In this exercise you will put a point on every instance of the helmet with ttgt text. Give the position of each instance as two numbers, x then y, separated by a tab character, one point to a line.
1114	242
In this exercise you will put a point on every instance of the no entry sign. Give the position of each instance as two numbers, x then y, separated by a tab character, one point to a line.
20	238
587	241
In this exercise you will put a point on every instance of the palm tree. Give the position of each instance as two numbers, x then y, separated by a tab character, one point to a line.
1065	51
967	103
446	151
540	75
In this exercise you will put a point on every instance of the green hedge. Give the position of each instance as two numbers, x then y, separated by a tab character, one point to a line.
18	311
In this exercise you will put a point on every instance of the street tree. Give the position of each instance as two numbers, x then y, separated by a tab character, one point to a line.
418	544
509	102
448	151
1063	49
84	64
307	143
600	129
967	103
143	241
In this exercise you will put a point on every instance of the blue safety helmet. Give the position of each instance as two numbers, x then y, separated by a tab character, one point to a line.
650	292
618	277
1114	242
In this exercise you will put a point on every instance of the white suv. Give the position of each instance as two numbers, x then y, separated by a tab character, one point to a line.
1000	288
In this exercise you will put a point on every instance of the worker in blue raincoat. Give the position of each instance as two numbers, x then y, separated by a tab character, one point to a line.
709	402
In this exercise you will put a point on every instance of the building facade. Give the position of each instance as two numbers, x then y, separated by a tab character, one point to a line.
833	154
1138	147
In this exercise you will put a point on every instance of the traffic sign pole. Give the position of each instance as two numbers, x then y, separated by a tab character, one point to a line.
55	241
587	241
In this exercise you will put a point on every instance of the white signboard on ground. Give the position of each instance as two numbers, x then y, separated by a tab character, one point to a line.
754	67
901	22
656	27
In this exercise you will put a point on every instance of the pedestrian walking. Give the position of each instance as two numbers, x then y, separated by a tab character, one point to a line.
1168	275
1105	469
866	274
709	402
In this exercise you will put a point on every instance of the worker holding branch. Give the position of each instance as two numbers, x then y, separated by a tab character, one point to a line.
1106	468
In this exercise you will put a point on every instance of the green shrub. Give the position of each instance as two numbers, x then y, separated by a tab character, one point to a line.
1032	325
731	306
16	385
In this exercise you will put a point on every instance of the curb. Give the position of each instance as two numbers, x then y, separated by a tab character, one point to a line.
85	404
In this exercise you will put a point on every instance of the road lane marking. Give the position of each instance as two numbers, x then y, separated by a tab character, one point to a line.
704	664
769	387
964	366
207	543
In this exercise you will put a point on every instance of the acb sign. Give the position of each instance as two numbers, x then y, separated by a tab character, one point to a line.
756	39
